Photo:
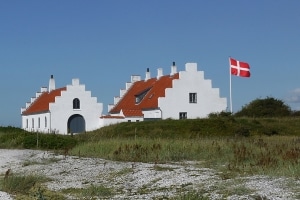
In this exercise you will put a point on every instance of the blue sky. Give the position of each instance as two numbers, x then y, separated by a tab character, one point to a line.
103	43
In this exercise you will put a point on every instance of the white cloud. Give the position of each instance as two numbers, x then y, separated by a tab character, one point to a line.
294	96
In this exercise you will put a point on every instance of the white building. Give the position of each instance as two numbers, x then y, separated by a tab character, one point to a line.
178	95
70	109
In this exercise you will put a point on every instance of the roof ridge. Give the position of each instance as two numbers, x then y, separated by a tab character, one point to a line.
34	101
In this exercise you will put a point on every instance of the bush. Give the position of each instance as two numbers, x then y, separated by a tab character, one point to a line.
270	131
268	107
242	131
48	141
30	141
296	113
220	114
53	141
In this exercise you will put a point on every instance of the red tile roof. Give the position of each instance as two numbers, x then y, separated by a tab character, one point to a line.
154	88
41	104
132	113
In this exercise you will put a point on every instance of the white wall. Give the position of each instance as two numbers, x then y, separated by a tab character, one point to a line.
110	121
177	98
115	120
62	109
134	119
37	122
152	114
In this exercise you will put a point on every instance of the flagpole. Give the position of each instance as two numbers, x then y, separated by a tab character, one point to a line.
230	95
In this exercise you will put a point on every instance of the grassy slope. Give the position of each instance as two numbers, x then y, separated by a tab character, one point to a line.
214	127
11	137
239	144
271	145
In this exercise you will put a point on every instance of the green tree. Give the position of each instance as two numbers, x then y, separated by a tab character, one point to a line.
268	107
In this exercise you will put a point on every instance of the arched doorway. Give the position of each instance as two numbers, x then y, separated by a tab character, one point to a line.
76	124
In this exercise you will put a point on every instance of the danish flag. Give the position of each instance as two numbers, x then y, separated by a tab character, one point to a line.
239	68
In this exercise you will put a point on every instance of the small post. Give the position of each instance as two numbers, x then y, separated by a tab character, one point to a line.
37	139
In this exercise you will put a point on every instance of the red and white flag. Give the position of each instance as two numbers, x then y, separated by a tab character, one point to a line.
239	68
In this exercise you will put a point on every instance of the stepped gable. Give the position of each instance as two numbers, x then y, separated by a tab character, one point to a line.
148	91
41	104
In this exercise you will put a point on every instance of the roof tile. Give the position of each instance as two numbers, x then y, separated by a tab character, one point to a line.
132	113
154	89
41	104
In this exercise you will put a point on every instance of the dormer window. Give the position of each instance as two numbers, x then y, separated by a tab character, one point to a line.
140	96
76	103
138	99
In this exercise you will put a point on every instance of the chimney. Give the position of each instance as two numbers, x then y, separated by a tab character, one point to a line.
51	84
159	73
173	69
148	76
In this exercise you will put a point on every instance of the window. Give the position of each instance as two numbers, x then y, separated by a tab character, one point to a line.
193	97
32	123
26	123
45	122
182	115
39	123
140	96
76	103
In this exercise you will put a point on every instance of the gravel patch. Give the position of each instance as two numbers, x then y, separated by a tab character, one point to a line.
137	180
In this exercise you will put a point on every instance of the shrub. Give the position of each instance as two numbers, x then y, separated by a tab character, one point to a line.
268	107
11	137
220	114
49	141
242	131
270	131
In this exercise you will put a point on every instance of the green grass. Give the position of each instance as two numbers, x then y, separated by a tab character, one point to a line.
21	184
162	168
194	128
28	187
42	162
232	145
192	195
276	155
17	138
91	192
